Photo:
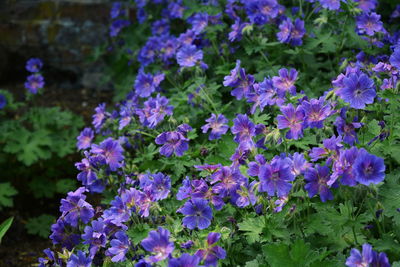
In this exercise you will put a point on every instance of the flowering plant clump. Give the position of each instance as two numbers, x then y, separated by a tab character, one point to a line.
255	133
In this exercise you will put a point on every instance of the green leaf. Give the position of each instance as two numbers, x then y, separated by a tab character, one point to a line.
40	225
6	193
390	197
65	185
5	226
138	233
252	227
29	146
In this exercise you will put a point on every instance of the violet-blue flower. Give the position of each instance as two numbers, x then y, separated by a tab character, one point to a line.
146	83
292	118
79	260
358	90
154	111
3	101
74	207
345	129
34	82
111	151
285	81
369	23
291	33
330	4
173	143
366	5
189	56
95	236
158	242
34	65
185	260
211	253
395	58
316	182
217	124
275	177
197	214
368	168
316	111
85	138
243	129
227	180
119	246
100	116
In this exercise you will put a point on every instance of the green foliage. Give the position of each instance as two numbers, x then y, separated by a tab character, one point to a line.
39	133
7	191
40	225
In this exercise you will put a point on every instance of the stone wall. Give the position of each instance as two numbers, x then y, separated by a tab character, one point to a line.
61	32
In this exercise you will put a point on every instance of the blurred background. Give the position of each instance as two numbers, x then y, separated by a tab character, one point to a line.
38	132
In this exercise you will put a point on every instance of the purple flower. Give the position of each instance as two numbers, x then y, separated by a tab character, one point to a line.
100	116
173	142
111	151
227	180
245	195
316	111
395	58
119	246
236	32
3	101
199	22
367	5
291	33
197	214
158	243
330	4
369	24
368	257
74	207
276	177
368	168
187	245
160	27
358	90
117	25
145	84
34	65
285	81
316	182
330	149
186	260
211	253
79	260
243	129
263	94
34	82
293	119
61	234
254	166
347	130
175	10
189	56
85	138
217	124
242	83
357	259
116	10
154	111
343	167
158	184
95	236
299	164
261	11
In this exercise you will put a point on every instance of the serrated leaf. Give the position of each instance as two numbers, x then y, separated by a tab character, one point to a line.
137	233
6	193
252	228
40	225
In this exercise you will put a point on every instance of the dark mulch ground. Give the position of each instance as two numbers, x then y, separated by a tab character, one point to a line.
18	248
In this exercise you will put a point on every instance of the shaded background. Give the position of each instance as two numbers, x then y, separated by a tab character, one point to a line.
64	34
